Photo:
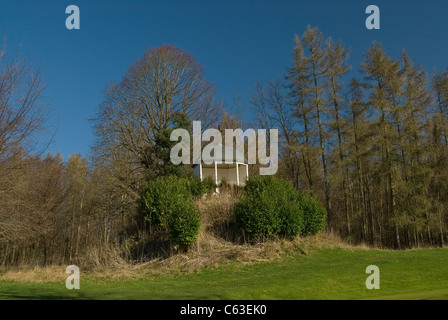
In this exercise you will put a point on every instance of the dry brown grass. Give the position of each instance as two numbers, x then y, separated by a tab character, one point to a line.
36	274
219	243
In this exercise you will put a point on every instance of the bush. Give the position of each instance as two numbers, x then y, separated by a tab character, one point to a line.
168	203
184	224
292	221
314	214
269	207
161	197
257	216
209	184
199	188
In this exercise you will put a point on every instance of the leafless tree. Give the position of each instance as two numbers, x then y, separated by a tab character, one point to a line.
22	113
165	82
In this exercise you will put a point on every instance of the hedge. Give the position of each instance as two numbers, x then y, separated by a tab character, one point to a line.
168	203
269	207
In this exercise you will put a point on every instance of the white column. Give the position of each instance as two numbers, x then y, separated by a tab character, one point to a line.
216	173
237	175
247	172
216	178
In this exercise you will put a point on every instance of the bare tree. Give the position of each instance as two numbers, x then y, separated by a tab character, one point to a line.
22	115
165	82
274	111
21	111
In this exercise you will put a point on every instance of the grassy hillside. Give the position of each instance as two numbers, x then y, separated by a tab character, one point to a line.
335	273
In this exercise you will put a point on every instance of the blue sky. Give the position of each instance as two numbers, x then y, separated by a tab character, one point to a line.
237	42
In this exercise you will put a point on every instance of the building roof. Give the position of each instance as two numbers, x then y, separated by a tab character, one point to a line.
237	155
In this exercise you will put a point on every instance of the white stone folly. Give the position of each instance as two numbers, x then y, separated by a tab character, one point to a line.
234	173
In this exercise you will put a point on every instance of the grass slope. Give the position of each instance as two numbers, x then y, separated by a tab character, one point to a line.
323	274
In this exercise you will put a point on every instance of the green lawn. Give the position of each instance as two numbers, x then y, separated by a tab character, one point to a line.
325	274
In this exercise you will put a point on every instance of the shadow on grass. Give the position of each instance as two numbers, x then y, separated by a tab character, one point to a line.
12	291
22	291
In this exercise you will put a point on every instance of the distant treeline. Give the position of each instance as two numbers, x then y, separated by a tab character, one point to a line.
373	147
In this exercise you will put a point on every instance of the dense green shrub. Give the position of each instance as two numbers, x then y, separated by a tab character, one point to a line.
209	185
168	203
200	188
292	219
184	224
257	216
160	197
269	207
314	214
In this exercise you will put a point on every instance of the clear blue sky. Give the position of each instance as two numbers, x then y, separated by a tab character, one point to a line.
237	42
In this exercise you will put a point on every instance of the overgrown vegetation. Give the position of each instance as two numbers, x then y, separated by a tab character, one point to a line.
168	203
314	214
269	207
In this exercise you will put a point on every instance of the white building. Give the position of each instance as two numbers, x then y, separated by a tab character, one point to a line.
235	173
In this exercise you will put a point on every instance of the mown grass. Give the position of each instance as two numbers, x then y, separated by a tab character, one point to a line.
323	274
